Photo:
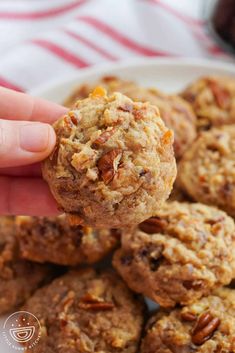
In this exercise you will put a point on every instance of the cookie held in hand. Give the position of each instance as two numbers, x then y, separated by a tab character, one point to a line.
176	113
113	163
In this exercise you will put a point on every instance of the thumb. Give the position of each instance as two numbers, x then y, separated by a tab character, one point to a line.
24	142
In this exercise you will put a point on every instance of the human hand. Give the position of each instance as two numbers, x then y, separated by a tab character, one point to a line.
26	138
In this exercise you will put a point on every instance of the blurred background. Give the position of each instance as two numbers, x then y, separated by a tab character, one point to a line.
41	40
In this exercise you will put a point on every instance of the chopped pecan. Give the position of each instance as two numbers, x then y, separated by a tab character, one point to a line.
187	316
90	298
221	95
153	225
104	137
205	328
68	122
90	302
74	117
74	219
138	114
71	119
108	164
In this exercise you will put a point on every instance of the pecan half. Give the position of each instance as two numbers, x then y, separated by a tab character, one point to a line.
205	328
90	302
153	225
221	95
108	164
187	316
104	137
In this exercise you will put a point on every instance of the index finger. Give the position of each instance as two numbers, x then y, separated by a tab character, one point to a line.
20	106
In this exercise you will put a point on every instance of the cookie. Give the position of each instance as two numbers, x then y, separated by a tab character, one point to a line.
18	278
175	111
180	255
207	326
213	100
206	171
84	311
113	163
44	239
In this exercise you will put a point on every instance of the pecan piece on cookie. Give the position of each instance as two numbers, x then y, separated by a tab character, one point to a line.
108	164
205	328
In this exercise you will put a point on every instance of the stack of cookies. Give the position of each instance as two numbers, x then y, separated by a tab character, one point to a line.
112	173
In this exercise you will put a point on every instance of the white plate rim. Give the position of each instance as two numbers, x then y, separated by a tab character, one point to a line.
104	68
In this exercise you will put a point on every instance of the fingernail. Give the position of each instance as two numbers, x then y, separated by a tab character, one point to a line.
35	137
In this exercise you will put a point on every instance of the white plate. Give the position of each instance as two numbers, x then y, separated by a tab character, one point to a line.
169	75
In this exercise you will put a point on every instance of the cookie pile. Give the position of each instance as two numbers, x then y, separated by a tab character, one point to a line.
179	253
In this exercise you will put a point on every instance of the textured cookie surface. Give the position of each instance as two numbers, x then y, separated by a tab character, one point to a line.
87	312
206	171
207	326
175	111
180	255
213	100
113	163
18	278
54	240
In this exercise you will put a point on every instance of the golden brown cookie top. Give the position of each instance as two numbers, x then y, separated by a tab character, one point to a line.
175	111
54	239
206	171
180	255
18	278
213	100
113	160
87	311
206	326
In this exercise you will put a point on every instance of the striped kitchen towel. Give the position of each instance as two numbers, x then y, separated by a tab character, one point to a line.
41	40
